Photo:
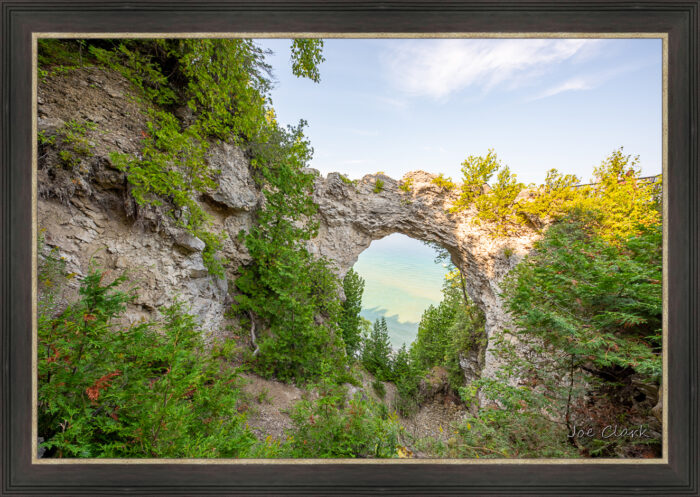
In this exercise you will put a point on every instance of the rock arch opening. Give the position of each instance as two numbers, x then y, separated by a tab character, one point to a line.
402	279
354	213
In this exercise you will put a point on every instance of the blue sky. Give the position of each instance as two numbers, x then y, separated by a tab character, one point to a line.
396	105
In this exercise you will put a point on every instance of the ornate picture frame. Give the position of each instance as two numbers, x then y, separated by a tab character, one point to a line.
675	474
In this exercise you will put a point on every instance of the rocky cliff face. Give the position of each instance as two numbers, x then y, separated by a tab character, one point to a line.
352	215
86	213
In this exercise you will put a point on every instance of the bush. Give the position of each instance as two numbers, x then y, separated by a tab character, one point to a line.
378	186
442	182
332	426
588	316
406	185
379	388
523	435
147	390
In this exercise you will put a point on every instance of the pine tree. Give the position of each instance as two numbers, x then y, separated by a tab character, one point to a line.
376	354
350	320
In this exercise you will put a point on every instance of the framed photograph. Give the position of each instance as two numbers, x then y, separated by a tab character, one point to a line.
347	248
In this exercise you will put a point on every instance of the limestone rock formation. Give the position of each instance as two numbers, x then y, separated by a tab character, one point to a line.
352	215
87	214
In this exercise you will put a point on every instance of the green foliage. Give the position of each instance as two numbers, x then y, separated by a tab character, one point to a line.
624	201
553	197
173	167
445	183
306	57
376	351
379	388
432	340
107	390
71	142
57	56
499	205
453	328
378	186
626	204
350	319
406	374
588	315
346	180
333	426
406	185
517	434
291	292
595	301
477	172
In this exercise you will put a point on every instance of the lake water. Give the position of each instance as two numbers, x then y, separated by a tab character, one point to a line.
401	281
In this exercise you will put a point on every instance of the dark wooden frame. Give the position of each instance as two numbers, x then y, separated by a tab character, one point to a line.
677	18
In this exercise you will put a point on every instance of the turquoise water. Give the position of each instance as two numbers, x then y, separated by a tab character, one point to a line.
401	281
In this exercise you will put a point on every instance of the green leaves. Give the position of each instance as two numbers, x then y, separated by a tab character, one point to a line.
598	301
477	172
452	329
146	390
350	320
306	57
291	292
334	426
624	202
376	351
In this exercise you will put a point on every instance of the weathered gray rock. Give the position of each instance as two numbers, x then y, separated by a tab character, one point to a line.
194	266
188	242
236	188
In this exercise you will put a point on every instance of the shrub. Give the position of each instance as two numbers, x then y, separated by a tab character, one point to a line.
445	183
379	388
406	185
146	390
523	435
378	186
333	426
588	317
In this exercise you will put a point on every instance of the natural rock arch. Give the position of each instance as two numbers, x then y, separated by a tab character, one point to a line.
353	214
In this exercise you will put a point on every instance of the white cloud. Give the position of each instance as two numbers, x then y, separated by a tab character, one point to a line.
569	85
437	68
588	81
